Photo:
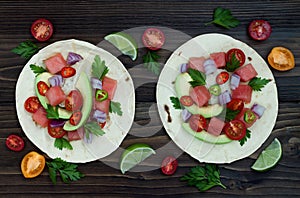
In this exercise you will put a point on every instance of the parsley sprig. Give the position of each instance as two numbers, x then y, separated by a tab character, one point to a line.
37	69
204	177
115	107
99	69
62	143
93	128
150	62
244	139
257	83
198	78
26	49
52	112
176	103
224	18
233	64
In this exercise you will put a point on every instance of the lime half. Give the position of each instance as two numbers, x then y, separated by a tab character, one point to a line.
269	157
133	155
123	42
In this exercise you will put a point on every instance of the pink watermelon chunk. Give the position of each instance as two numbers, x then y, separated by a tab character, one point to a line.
246	72
102	106
109	85
215	126
243	92
200	95
76	135
196	63
241	115
55	63
219	58
40	117
55	95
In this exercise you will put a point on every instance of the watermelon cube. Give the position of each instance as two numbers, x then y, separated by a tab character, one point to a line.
55	63
196	63
219	58
200	95
246	72
40	117
76	135
109	85
215	126
243	92
102	106
241	116
55	95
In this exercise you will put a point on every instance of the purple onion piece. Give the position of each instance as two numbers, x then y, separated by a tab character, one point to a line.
96	83
183	67
234	81
209	66
57	123
73	58
185	115
89	139
258	110
55	80
100	116
224	97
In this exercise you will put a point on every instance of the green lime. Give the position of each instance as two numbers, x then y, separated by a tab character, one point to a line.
269	157
123	42
133	155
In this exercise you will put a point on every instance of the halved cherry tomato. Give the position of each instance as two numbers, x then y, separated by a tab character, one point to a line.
222	77
259	30
56	132
235	129
235	104
281	58
14	143
32	164
42	88
42	29
186	101
32	104
75	118
67	72
169	165
197	122
74	101
239	54
153	38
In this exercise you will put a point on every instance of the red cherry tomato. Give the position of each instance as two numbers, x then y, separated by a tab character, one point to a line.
75	118
32	104
235	129
74	101
102	124
197	122
259	30
67	72
56	132
169	165
42	88
14	143
222	77
239	54
186	101
236	104
42	29
153	38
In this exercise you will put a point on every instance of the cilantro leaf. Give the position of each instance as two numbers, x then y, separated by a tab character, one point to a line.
26	49
224	18
244	139
99	68
229	114
176	102
37	69
150	62
94	128
62	143
233	64
68	172
52	112
197	76
257	83
115	107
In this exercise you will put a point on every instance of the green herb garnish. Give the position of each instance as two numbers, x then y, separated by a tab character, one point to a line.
197	76
224	18
176	103
229	114
244	139
67	171
150	62
99	69
258	83
233	64
37	69
93	128
26	49
62	143
203	178
52	112
115	107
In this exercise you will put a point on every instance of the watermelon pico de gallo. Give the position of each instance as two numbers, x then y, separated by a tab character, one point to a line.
214	94
72	104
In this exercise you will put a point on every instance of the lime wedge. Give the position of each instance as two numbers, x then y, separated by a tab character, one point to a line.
269	157
133	155
123	42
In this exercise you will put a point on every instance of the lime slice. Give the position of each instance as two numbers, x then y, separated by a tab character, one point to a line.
133	155
269	157
123	42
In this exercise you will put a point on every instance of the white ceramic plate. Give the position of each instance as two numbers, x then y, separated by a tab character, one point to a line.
115	130
203	45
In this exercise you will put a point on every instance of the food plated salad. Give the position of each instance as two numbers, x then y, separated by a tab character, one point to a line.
70	101
214	110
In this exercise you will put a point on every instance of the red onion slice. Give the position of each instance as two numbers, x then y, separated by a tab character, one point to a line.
224	97
258	109
73	58
183	67
96	83
185	114
100	116
234	81
56	80
209	66
57	123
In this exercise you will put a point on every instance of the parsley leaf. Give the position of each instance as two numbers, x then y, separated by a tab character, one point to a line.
244	139
150	62
99	68
176	102
26	49
115	107
233	64
52	112
224	18
94	128
37	69
229	114
203	178
197	76
257	83
68	172
61	143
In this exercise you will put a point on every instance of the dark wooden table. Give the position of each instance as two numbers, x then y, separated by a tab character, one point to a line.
91	21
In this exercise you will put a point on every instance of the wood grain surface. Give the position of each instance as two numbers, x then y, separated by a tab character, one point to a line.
91	21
